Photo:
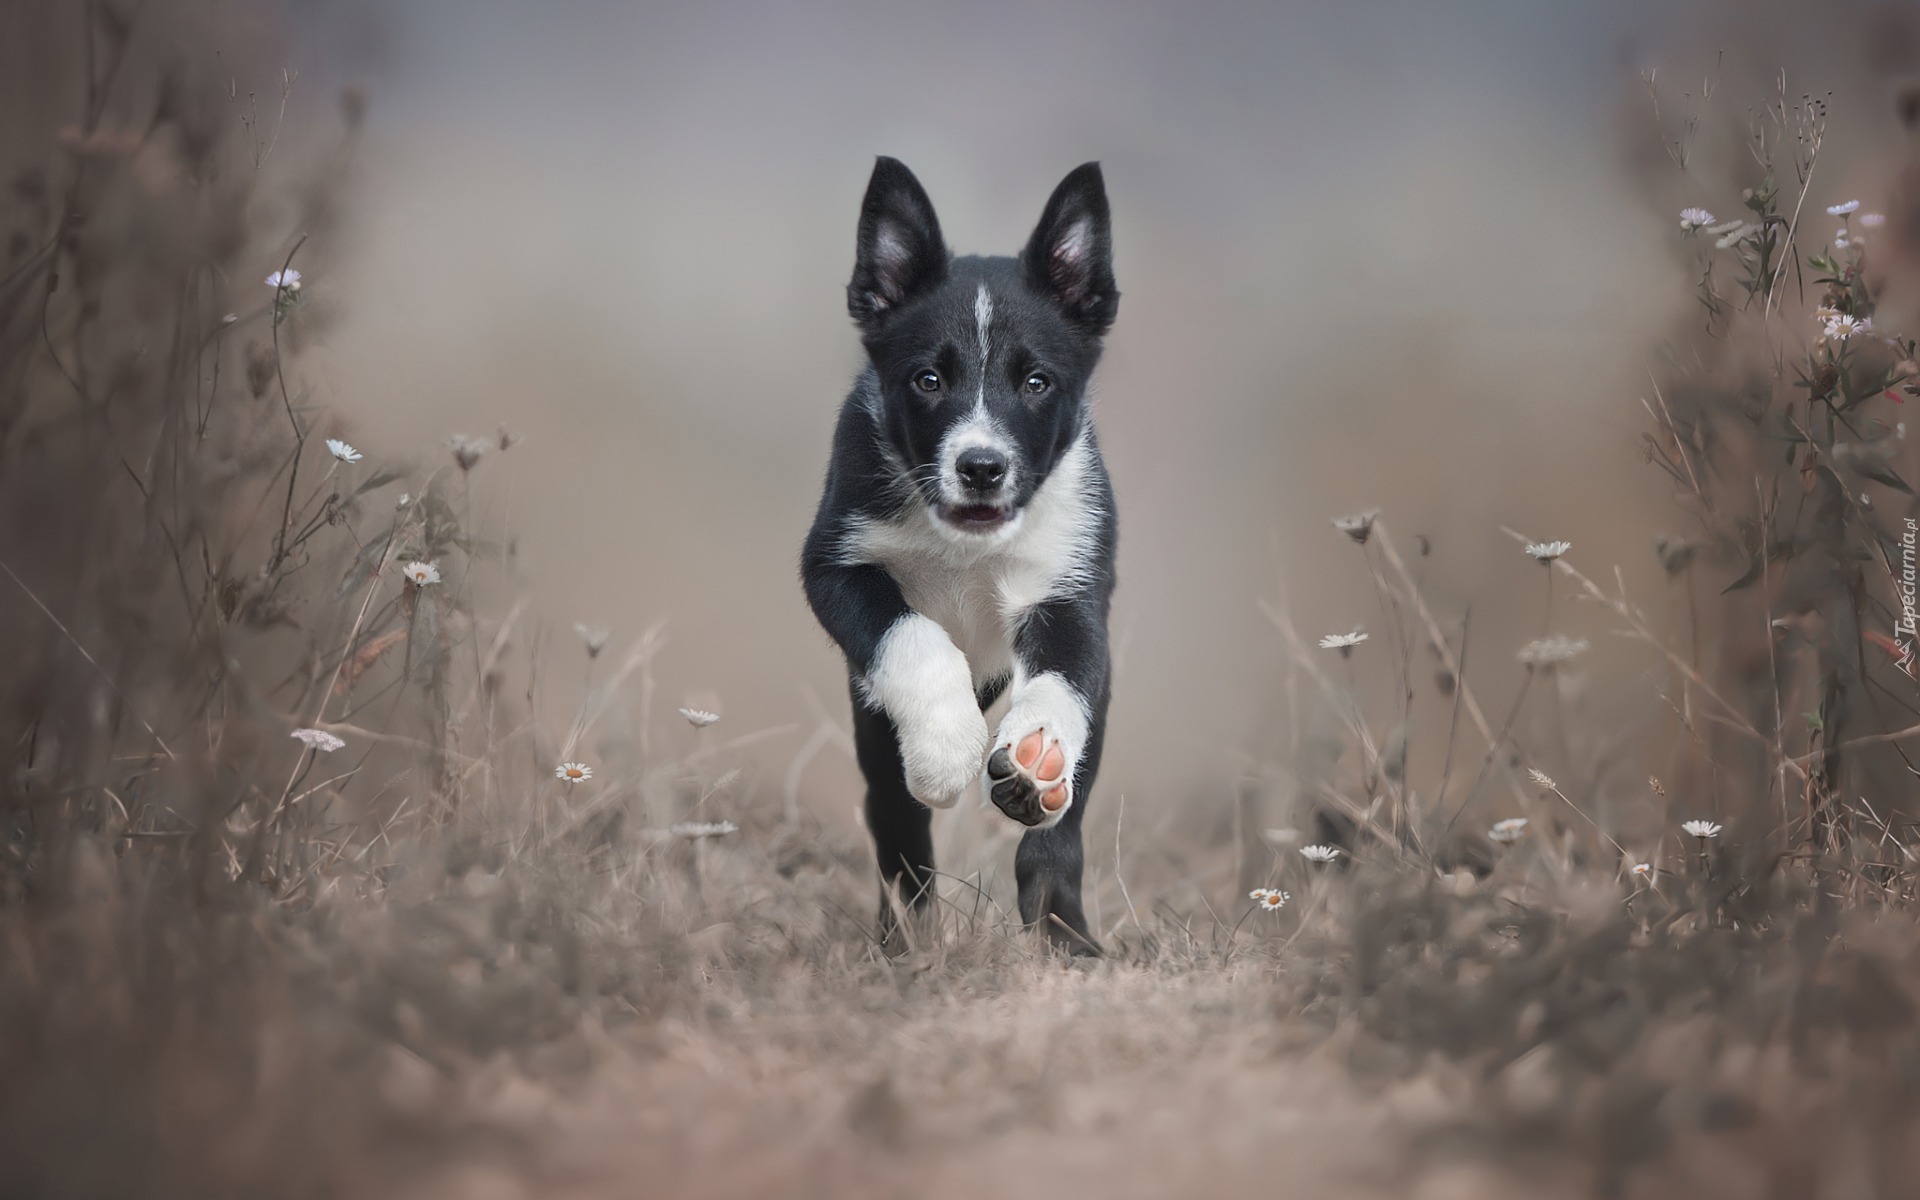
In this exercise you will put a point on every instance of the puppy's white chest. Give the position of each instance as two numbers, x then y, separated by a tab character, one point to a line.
977	598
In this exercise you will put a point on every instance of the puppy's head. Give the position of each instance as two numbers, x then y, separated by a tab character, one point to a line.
982	363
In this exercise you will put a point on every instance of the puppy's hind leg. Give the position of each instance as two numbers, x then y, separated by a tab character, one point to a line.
901	826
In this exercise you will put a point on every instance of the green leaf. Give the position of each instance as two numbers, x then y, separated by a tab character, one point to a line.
379	480
1883	474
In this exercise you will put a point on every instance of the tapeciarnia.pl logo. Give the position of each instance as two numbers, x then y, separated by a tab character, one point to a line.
1907	628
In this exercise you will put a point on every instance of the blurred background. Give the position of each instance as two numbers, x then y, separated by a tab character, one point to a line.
1407	255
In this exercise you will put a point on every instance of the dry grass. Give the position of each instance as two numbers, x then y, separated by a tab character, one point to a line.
419	964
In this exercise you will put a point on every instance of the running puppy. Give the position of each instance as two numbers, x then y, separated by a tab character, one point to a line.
964	543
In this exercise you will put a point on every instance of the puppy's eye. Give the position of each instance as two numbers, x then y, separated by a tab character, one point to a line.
927	381
1038	384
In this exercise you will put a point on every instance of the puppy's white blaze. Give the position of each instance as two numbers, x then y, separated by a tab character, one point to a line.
983	324
1047	701
921	680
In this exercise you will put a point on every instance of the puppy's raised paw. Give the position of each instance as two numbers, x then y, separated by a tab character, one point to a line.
1028	779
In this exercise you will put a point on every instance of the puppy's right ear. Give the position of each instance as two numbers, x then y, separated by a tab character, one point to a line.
900	253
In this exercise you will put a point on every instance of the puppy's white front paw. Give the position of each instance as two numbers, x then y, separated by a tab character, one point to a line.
942	751
920	679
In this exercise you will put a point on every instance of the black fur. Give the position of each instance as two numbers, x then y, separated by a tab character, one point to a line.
916	305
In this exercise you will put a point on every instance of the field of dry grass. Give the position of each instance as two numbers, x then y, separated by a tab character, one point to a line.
297	899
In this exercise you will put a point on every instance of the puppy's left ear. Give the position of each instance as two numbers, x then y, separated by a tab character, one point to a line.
1070	256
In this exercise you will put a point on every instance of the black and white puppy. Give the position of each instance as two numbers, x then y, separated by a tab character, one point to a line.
964	544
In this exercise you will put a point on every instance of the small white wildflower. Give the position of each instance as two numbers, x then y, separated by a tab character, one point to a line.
1552	651
1508	831
1701	829
1320	854
1546	552
467	450
1343	642
595	639
1541	778
572	772
1358	526
1840	327
343	452
318	739
1643	869
699	718
1271	899
420	574
1692	219
1840	241
287	280
1841	210
695	830
1873	220
405	499
230	319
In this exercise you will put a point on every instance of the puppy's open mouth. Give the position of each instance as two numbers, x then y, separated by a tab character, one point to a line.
976	518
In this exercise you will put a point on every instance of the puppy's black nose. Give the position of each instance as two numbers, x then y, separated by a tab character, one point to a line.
981	469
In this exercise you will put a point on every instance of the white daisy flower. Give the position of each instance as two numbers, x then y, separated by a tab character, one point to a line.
1552	651
699	718
1274	900
572	772
1343	642
1841	210
1546	552
1358	526
595	639
1701	829
420	574
1508	831
1692	219
467	450
695	830
1541	778
1320	854
1644	870
287	280
1873	220
318	739
343	452
1841	327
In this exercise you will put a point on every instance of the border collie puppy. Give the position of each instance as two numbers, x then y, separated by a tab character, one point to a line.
964	544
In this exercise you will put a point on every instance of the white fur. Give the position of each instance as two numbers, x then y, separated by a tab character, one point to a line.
921	680
969	592
1047	701
977	586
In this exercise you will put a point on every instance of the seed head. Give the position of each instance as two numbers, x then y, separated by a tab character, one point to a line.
318	739
1358	526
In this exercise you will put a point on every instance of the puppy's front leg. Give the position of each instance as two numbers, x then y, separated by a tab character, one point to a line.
921	680
1030	774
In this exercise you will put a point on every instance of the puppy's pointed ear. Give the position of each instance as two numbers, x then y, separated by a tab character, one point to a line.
900	253
1070	256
